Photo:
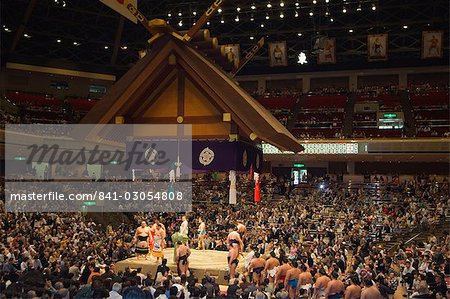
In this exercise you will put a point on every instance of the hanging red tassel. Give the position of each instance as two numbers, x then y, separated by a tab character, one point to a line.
257	188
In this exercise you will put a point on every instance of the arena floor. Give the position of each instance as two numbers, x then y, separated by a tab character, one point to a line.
211	261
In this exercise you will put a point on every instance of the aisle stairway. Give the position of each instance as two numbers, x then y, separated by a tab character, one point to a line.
349	111
416	235
410	123
295	111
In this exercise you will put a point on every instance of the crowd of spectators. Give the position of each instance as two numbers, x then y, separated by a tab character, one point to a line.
331	230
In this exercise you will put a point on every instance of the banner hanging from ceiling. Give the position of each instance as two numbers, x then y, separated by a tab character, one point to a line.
278	55
377	47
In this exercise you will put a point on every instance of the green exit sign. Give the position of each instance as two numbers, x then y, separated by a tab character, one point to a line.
390	115
90	203
299	165
19	158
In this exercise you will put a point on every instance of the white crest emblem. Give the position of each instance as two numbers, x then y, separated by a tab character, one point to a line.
244	158
206	156
151	155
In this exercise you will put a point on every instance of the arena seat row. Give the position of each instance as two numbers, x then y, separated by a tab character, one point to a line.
426	99
431	113
82	104
24	98
324	101
281	102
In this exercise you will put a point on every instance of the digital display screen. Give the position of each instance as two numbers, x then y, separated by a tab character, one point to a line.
334	148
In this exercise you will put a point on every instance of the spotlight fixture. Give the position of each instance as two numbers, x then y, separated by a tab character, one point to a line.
359	8
58	41
269	5
281	15
267	16
253	6
296	14
281	4
350	30
311	13
405	26
344	10
252	38
374	7
236	19
238	9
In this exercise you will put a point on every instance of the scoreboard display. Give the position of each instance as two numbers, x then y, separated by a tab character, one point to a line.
314	148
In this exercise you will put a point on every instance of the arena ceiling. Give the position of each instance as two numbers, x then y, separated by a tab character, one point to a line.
85	34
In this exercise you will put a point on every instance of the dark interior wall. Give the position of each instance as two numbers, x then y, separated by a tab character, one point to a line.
41	83
436	78
281	171
335	82
249	86
337	167
284	84
402	168
383	80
